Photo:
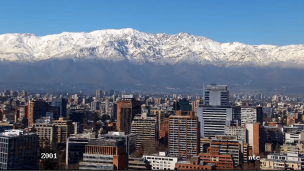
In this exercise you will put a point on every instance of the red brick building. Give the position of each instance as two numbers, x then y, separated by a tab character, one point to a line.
105	155
195	163
221	161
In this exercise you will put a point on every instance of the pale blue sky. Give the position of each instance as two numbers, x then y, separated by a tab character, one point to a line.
247	21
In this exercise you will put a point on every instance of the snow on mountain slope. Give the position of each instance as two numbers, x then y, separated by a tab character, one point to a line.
138	47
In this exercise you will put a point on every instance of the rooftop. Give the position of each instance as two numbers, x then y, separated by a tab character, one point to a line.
15	133
106	142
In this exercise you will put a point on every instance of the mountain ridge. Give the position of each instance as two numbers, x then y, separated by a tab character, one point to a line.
139	47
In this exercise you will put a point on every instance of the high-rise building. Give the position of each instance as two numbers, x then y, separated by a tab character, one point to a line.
64	129
107	106
62	103
253	137
213	119
98	94
111	92
216	95
145	128
104	154
251	115
127	108
183	135
19	150
36	110
216	113
46	132
77	115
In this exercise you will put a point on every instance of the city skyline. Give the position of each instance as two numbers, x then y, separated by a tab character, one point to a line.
152	85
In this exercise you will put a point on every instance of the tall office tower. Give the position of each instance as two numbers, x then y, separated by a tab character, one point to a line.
216	113
77	115
36	110
236	113
107	105
216	95
111	92
98	94
19	150
64	129
183	135
259	110
103	154
213	119
145	128
228	145
62	103
182	105
130	139
253	137
251	115
75	147
127	108
47	133
114	113
55	110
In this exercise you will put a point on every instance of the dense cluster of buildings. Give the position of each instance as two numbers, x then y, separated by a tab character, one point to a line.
116	131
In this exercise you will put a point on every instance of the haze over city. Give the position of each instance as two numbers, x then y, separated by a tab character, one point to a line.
151	85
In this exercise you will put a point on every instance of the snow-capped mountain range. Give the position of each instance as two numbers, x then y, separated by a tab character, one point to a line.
138	47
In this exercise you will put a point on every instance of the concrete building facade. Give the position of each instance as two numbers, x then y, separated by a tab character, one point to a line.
183	135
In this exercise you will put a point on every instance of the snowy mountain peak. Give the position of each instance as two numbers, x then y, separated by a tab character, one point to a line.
139	47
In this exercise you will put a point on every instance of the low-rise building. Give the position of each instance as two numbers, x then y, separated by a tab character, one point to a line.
294	137
228	144
292	147
139	164
221	161
283	161
75	147
161	161
195	163
130	139
103	154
